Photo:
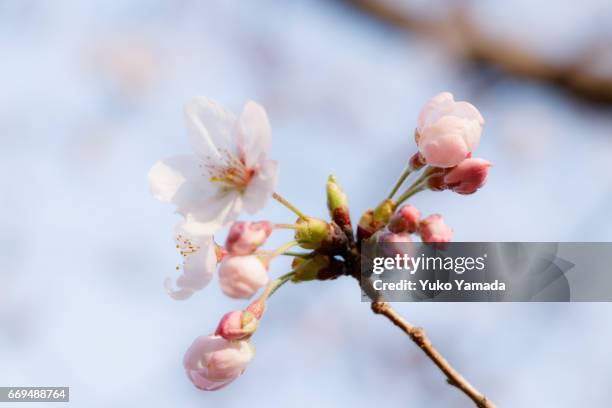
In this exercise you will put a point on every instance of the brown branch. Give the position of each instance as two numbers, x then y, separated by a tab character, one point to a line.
352	255
417	335
457	32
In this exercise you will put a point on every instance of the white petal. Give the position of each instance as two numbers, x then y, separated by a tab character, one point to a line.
253	133
261	186
201	346
185	229
176	294
473	131
215	213
179	180
444	143
167	176
468	111
202	382
198	267
437	106
210	128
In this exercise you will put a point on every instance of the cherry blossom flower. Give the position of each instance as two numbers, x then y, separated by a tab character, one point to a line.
213	362
229	172
447	131
241	276
200	257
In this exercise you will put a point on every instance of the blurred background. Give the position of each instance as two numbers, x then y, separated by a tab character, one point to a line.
91	95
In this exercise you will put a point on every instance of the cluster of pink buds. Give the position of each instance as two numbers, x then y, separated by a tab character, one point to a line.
230	173
446	136
407	221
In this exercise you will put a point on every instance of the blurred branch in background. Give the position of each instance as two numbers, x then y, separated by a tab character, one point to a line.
456	31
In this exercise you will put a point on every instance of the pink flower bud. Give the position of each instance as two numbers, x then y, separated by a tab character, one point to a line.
241	276
406	219
396	243
237	325
433	229
468	176
245	237
448	131
213	362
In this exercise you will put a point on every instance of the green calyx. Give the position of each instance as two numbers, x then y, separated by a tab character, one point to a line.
382	214
249	322
311	232
309	269
373	220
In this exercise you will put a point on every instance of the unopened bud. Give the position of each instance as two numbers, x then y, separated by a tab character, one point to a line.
241	276
237	325
245	237
337	203
434	230
383	212
406	219
468	176
396	243
364	229
373	220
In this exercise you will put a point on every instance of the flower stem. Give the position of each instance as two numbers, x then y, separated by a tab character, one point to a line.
290	206
416	187
282	249
286	226
304	255
407	171
275	284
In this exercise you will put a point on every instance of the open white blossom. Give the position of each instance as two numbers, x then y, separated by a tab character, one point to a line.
229	172
200	259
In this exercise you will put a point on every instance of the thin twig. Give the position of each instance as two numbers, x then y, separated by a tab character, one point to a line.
417	334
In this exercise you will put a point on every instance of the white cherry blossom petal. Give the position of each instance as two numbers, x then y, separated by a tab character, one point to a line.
468	111
176	294
253	133
443	144
215	213
211	128
433	110
199	263
178	180
261	187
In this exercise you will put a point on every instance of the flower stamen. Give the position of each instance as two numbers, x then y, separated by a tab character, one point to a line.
232	171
